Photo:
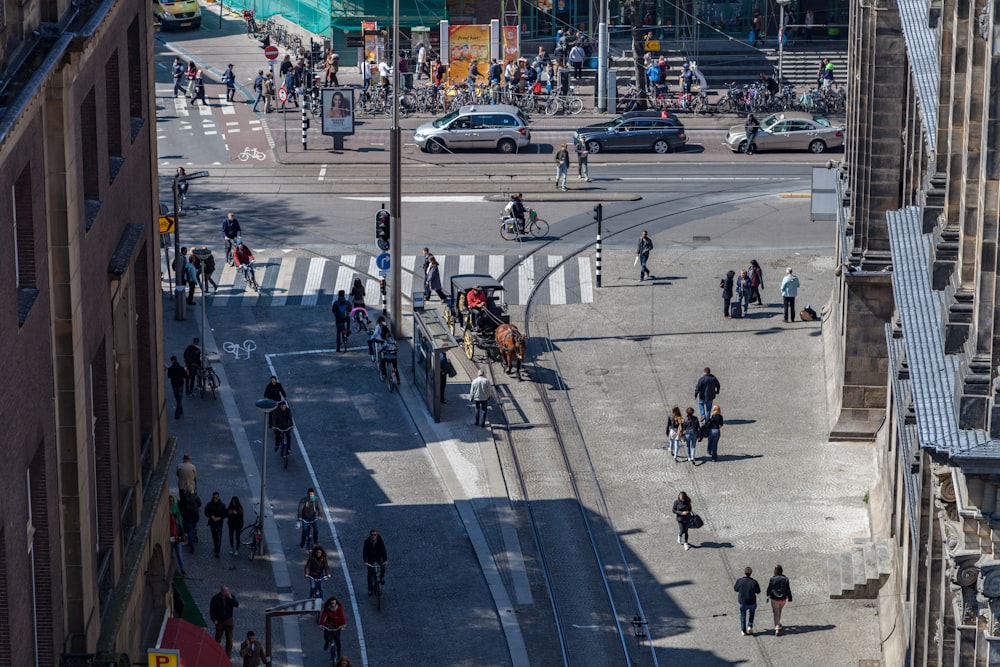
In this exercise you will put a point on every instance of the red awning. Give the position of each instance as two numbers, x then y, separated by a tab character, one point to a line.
197	647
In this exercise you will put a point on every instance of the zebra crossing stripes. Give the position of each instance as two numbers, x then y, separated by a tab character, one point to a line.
289	280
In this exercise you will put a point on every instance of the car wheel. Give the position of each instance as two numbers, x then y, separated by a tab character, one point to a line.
817	146
661	146
434	146
594	147
742	148
506	146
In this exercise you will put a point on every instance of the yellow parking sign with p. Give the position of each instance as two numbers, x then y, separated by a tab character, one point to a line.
163	657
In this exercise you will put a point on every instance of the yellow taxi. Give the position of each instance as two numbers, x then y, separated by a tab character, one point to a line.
177	13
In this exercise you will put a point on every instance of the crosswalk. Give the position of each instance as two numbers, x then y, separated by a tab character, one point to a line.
201	119
295	280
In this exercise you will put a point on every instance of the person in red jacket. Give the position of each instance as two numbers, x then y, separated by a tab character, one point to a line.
332	620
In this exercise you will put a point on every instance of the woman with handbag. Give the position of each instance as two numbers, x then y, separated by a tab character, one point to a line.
675	428
714	424
682	508
690	432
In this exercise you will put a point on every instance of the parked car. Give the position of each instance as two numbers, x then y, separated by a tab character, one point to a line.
789	131
500	127
177	13
635	131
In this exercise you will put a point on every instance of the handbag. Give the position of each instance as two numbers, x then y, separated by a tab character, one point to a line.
703	431
694	521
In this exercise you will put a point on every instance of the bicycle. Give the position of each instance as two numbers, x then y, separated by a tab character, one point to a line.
207	378
283	443
377	583
316	586
511	228
250	277
252	27
252	536
310	533
230	244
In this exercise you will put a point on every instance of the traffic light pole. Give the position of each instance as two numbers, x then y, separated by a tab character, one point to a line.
395	208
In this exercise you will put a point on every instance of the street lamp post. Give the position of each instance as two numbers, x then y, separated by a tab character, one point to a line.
203	253
781	35
179	314
267	406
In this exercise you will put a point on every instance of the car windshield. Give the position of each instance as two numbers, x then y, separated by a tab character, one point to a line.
444	120
769	122
822	121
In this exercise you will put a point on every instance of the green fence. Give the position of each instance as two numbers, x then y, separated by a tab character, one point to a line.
312	15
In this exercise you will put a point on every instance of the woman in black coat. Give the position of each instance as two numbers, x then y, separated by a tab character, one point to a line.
682	508
727	292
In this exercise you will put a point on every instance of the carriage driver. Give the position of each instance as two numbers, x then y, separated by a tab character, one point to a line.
515	209
476	301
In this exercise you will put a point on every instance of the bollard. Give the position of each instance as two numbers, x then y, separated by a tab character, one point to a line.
305	120
598	217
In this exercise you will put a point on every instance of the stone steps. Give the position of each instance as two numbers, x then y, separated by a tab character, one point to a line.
859	574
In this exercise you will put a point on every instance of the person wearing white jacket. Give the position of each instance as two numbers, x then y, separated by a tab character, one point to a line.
789	290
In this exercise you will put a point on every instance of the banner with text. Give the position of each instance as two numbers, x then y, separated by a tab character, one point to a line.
468	45
511	43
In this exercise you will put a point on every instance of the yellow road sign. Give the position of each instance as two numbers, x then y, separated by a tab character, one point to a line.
166	224
163	657
652	45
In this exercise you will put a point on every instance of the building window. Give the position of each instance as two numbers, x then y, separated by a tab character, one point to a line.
136	63
113	102
88	158
25	265
39	561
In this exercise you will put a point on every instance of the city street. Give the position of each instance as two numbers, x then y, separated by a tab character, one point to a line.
472	577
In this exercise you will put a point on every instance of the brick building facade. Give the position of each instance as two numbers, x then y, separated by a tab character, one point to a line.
84	546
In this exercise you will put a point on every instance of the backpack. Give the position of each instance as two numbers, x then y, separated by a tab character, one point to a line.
654	73
191	354
340	310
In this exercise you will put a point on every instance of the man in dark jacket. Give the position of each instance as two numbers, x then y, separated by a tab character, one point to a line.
215	510
220	610
374	552
747	590
645	247
705	391
178	376
188	505
342	315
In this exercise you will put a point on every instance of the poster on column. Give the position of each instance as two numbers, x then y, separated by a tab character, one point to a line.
511	43
338	104
373	40
468	46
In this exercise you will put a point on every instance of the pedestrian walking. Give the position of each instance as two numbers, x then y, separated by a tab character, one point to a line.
332	68
422	68
207	269
215	511
447	371
479	393
178	377
234	522
562	166
642	252
691	427
750	128
675	426
192	74
220	611
576	56
189	505
177	72
726	285
756	281
743	291
432	281
258	89
682	510
229	78
252	651
199	89
582	160
332	620
705	390
187	476
789	290
192	279
268	87
714	425
176	535
779	591
747	589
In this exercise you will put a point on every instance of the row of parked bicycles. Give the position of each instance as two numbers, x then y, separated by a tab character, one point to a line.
738	99
434	100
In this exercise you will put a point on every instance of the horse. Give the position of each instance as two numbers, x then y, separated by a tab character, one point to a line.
511	343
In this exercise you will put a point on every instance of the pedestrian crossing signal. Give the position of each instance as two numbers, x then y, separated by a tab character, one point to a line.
382	229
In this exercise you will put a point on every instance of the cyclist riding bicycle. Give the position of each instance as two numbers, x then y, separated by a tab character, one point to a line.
475	299
243	257
317	569
515	209
388	356
372	553
342	318
308	515
275	391
379	335
282	424
230	232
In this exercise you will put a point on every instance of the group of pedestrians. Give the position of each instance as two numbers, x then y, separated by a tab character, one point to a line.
740	292
561	158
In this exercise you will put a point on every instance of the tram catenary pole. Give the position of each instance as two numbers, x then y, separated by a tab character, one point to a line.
395	200
598	216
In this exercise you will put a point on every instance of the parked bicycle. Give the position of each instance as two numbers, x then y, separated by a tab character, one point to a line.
252	536
207	379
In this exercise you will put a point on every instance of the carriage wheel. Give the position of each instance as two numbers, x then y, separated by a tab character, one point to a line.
449	319
469	346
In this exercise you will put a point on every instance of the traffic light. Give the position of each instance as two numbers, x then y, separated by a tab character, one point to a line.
382	229
381	286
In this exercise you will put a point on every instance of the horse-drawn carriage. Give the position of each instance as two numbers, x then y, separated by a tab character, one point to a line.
486	327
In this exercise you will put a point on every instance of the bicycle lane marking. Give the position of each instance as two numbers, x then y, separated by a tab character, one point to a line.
245	134
348	581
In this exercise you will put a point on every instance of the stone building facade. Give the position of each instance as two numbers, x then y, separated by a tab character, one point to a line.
84	543
919	240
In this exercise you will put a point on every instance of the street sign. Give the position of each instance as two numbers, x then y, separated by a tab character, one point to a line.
283	94
382	261
166	224
271	52
384	273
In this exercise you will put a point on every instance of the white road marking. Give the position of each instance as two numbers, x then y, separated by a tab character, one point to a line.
322	172
310	293
346	273
467	264
557	281
525	279
284	282
436	199
496	265
586	282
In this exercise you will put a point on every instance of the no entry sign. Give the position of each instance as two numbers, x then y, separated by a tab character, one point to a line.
271	52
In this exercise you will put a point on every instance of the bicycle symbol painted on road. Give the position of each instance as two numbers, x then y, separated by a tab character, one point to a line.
236	349
251	152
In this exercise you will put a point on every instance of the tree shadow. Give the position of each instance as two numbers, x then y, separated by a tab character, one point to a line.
802	629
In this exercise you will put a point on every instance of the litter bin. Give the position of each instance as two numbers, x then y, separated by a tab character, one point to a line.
407	80
564	81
